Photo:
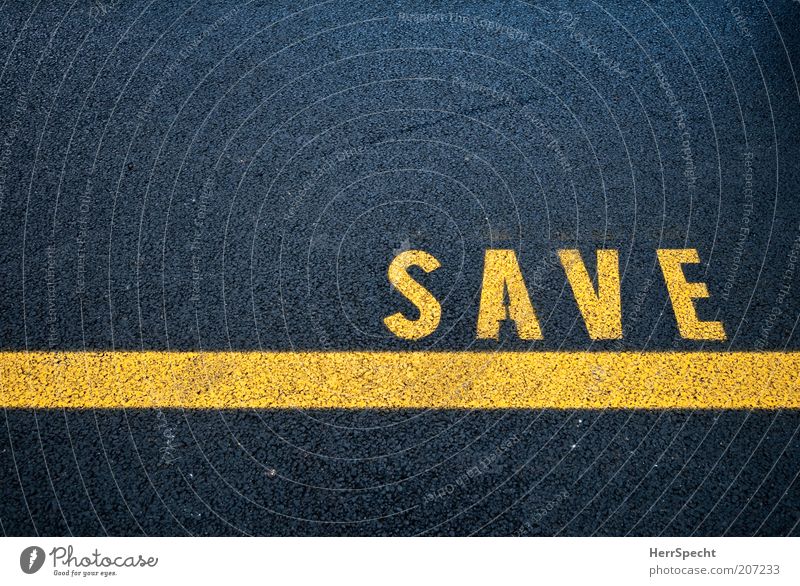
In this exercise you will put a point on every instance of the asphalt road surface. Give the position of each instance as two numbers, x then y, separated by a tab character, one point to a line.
238	176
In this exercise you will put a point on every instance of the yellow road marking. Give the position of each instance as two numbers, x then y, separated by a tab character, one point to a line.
357	380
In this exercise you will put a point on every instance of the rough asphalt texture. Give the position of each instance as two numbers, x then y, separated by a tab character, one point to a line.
179	175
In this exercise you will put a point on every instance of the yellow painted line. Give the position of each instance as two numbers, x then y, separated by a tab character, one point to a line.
357	380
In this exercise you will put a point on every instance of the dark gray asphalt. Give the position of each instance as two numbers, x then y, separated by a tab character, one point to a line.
238	176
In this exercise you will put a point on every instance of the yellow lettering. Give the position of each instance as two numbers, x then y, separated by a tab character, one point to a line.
501	273
430	312
601	311
683	293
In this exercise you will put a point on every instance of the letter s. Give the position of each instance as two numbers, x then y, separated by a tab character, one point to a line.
430	312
